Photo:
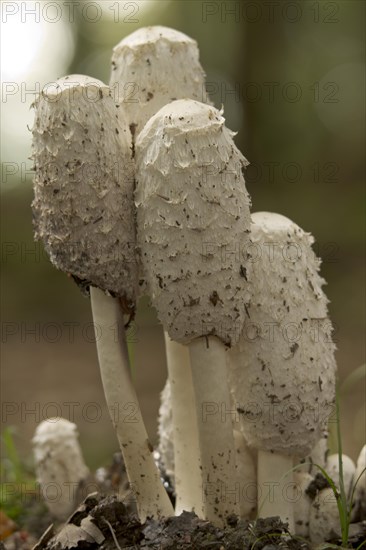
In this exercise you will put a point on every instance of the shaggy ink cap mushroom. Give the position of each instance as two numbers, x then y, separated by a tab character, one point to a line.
192	213
284	375
87	223
152	67
83	187
193	221
290	362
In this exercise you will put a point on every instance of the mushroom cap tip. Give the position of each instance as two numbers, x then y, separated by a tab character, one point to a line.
54	429
150	35
184	115
71	82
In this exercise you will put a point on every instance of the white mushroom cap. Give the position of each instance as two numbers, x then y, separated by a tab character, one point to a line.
59	464
349	468
54	430
284	376
152	67
83	206
292	287
193	221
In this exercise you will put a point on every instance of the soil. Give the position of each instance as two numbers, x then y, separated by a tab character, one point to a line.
104	521
114	523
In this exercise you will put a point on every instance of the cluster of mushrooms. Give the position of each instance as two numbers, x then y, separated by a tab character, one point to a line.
143	194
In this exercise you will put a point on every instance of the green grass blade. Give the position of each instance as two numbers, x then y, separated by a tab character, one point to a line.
12	454
343	496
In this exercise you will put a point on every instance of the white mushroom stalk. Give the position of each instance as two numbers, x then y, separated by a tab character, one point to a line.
59	465
187	471
245	464
84	214
152	67
143	474
283	370
193	219
246	476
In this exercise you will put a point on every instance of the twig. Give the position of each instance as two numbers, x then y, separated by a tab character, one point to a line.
113	534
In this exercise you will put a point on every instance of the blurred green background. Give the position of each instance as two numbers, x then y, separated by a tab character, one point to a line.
291	78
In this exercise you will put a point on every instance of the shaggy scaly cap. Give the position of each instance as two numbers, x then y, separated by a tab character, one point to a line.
83	206
193	221
283	370
152	67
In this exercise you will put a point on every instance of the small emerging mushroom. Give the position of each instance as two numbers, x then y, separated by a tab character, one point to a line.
84	214
283	369
349	468
324	522
193	222
59	465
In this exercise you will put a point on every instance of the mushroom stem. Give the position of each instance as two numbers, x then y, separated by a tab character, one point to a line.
246	475
275	483
187	472
215	431
143	475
